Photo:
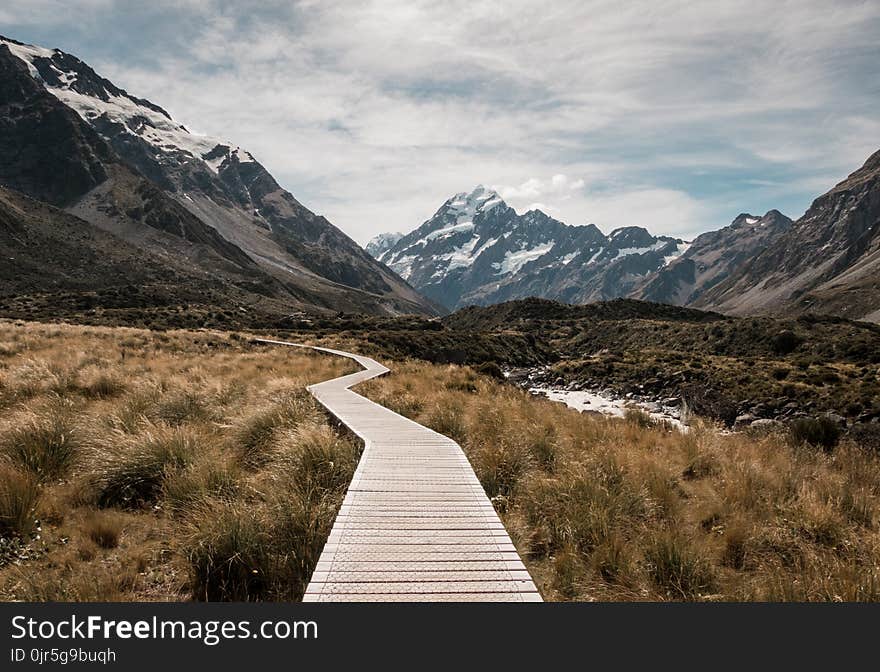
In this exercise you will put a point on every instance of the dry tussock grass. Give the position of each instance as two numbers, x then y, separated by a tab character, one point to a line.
608	509
138	465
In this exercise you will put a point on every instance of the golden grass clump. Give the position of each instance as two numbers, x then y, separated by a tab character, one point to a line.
19	495
46	441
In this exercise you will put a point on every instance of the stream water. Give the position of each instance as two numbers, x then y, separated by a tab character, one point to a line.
586	401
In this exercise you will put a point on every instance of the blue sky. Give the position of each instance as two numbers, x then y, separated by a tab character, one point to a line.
675	116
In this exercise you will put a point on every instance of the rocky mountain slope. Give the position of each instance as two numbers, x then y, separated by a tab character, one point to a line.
827	262
76	141
478	250
711	258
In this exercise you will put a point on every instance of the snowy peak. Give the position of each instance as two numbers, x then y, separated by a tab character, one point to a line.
745	221
465	206
477	249
382	243
99	102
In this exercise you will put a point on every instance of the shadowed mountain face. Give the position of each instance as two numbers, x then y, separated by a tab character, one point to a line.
828	261
478	250
711	258
75	140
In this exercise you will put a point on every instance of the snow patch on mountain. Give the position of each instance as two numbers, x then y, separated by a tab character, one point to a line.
680	249
627	251
377	246
513	261
446	231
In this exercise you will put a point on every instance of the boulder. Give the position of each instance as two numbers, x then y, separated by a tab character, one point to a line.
765	424
744	420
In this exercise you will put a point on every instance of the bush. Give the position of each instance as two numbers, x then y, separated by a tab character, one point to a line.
499	466
103	386
19	494
103	528
244	553
228	555
639	418
490	369
184	489
317	460
785	342
821	432
255	437
46	445
780	372
182	407
677	569
447	419
133	475
865	435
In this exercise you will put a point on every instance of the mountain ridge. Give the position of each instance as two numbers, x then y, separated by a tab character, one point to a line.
476	249
828	261
121	162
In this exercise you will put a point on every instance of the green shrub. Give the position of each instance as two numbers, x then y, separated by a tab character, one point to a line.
821	432
785	342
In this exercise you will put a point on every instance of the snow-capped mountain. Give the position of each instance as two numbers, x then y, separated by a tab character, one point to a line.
477	249
379	244
712	257
72	138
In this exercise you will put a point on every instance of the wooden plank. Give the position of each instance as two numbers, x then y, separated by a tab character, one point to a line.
415	524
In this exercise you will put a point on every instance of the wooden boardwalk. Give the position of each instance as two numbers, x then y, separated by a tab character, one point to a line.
415	524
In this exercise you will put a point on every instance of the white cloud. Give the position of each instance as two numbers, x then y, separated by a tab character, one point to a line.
559	186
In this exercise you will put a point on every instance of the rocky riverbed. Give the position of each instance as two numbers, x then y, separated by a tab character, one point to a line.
662	404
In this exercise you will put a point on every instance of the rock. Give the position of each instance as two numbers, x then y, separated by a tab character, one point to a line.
765	424
671	401
744	420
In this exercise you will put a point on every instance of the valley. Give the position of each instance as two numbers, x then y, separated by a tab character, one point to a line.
632	416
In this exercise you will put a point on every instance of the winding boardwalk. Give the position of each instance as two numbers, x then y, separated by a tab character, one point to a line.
415	524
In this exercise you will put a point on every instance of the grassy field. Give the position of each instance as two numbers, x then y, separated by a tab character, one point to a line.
623	509
138	465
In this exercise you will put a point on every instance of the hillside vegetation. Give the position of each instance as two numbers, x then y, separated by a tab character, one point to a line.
722	367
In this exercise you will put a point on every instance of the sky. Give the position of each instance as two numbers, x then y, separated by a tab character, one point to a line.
675	116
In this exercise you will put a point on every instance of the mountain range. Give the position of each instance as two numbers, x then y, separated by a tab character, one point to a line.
477	250
108	203
81	152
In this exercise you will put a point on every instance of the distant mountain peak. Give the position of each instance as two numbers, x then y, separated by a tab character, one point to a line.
480	199
477	249
381	243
